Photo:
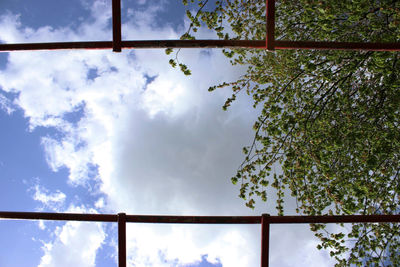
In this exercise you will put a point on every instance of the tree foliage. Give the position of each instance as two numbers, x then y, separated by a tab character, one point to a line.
330	119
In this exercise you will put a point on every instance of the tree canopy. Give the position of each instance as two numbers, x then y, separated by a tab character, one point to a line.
329	119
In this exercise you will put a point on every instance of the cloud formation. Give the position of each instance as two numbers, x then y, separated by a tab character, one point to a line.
74	243
154	147
50	200
6	105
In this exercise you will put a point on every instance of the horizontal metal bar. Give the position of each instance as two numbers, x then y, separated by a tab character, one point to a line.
56	46
337	45
335	219
135	45
194	219
58	216
131	218
198	219
194	44
149	44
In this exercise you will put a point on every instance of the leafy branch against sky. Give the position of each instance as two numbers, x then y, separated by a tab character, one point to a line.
328	119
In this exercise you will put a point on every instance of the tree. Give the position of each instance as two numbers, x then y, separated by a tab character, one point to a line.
330	119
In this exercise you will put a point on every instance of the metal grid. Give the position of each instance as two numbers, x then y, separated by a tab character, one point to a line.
117	44
265	220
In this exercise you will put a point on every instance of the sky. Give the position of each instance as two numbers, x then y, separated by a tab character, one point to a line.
103	132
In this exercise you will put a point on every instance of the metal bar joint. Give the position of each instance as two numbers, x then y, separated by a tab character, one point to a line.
270	18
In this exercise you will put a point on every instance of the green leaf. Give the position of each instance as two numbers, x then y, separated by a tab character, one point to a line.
172	63
168	51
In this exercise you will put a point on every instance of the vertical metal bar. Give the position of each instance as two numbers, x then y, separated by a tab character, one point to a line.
116	23
270	17
121	240
265	222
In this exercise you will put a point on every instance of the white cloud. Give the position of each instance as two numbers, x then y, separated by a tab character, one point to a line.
51	200
295	243
69	154
74	244
159	148
232	247
6	105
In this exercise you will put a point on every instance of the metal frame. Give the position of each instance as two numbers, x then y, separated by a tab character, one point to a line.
117	44
265	220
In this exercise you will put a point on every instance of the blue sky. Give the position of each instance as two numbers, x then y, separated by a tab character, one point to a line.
101	132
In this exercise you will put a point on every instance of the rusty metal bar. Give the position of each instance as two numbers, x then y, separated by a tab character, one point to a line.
199	219
193	44
194	219
58	216
265	222
337	45
137	44
121	240
335	219
116	24
155	44
270	18
117	44
56	46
